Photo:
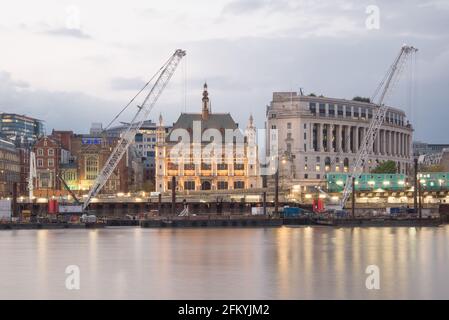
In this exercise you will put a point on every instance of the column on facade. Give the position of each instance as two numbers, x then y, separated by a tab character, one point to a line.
378	143
330	129
338	137
390	143
321	139
348	138
356	139
397	143
404	153
383	149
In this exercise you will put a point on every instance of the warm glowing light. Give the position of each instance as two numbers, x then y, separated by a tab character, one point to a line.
340	183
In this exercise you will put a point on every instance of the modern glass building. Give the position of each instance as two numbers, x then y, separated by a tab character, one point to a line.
20	129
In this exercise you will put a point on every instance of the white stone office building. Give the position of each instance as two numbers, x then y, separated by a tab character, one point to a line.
319	135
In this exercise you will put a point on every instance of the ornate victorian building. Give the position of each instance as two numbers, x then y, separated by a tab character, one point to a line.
206	151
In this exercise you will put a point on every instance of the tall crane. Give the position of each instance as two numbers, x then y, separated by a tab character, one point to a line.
384	89
143	112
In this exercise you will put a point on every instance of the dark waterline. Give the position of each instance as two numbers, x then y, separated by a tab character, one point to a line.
272	263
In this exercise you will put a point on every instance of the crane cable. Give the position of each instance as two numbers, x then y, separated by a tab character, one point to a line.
138	93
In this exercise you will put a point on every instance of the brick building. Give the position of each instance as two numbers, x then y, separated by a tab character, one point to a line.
48	159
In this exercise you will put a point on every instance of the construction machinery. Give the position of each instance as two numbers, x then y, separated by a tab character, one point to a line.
382	91
68	189
143	111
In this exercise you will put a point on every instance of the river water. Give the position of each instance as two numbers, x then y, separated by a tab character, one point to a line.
271	263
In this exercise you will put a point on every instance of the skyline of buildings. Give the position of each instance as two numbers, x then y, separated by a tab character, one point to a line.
317	135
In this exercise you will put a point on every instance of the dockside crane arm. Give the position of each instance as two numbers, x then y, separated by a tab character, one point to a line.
385	87
68	189
143	112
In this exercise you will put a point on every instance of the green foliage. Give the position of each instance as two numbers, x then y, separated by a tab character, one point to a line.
361	99
385	167
312	95
431	168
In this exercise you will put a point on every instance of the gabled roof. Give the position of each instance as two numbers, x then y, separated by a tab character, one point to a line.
214	121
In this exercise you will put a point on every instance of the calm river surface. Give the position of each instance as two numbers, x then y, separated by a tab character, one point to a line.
274	263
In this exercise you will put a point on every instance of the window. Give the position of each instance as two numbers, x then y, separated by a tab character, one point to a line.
305	125
239	166
273	127
289	147
305	135
40	163
273	115
222	166
40	152
51	163
312	107
239	184
306	176
289	125
331	110
348	112
51	152
222	185
340	110
322	109
91	168
289	135
318	159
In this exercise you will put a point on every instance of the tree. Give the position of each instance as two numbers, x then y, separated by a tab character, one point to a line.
312	95
431	168
385	167
361	99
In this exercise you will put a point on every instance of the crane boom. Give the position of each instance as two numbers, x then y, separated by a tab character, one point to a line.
378	118
142	114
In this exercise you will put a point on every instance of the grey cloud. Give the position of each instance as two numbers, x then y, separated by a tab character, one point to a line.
65	32
127	83
335	67
245	6
61	110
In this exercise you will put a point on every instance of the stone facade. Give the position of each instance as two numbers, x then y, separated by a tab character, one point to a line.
319	135
197	169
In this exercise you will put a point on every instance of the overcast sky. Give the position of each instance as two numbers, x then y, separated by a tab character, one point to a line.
72	63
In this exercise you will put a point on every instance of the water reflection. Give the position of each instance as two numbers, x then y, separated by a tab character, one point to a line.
277	263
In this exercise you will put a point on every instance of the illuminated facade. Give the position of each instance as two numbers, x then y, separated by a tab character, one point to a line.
319	135
201	165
